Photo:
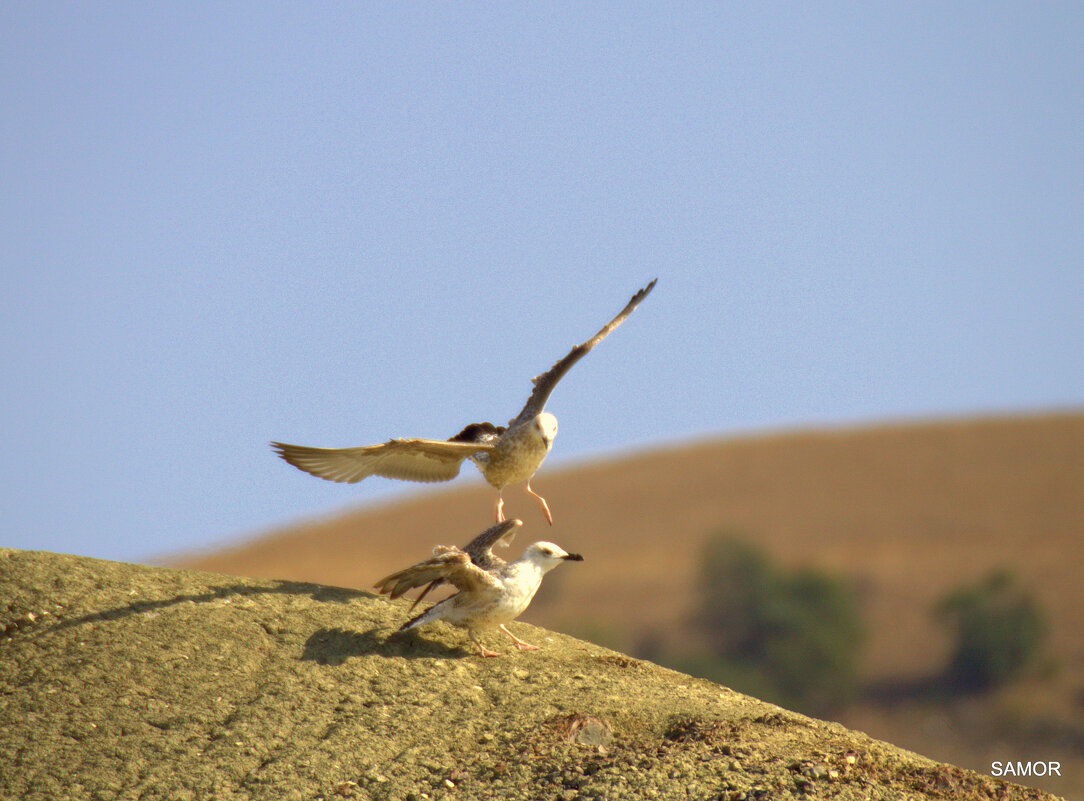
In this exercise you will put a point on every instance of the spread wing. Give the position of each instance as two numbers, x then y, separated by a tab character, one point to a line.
404	459
545	383
480	551
480	548
449	564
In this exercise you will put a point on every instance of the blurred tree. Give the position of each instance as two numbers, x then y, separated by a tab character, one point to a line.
798	633
999	632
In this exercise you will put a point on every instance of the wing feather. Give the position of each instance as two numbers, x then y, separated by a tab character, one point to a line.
545	383
404	459
449	564
480	549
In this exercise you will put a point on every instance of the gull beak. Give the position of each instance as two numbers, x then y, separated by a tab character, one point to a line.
572	557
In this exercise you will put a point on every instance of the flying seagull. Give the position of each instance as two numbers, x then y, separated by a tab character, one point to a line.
491	591
505	454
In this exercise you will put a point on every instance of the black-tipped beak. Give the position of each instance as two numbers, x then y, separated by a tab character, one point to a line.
573	557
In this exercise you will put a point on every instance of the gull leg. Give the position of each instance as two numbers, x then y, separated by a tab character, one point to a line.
481	648
500	506
520	644
542	503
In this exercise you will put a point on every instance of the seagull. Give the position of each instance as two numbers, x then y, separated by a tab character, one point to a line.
504	454
492	592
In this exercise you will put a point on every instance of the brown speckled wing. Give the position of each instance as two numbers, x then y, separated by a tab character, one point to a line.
404	459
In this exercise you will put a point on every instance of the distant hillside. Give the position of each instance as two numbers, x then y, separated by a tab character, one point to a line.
128	682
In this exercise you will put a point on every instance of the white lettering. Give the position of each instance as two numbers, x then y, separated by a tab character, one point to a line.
1025	768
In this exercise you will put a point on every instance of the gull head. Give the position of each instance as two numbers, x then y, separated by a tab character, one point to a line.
547	555
546	426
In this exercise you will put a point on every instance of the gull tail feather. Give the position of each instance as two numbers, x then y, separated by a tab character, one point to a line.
432	613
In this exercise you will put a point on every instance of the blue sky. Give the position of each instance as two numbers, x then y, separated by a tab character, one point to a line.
332	224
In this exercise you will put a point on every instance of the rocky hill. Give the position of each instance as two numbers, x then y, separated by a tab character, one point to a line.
129	682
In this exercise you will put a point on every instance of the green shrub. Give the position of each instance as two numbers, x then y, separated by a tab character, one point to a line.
799	632
999	631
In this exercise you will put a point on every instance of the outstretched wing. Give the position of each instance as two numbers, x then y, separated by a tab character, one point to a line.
404	459
449	564
545	383
480	549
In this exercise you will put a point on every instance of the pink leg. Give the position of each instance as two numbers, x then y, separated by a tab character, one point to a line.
500	507
520	644
542	503
485	652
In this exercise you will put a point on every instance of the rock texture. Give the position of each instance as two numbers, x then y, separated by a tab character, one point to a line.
127	682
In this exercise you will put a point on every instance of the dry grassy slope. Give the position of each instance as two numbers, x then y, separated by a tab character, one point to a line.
122	682
910	509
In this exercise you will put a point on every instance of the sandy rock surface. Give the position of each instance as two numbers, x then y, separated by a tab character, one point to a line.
121	681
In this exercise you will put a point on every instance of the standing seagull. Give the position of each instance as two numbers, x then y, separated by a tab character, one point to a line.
505	455
491	592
